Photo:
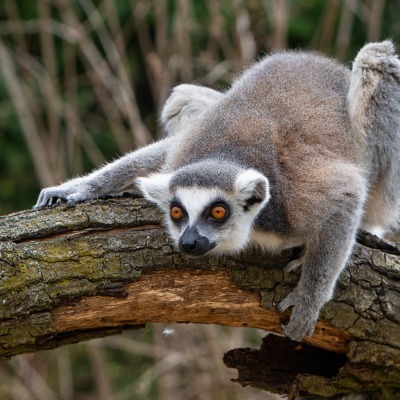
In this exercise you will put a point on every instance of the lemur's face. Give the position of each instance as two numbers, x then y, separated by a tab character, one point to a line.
203	219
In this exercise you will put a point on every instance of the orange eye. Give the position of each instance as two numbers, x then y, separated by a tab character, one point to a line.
176	213
218	212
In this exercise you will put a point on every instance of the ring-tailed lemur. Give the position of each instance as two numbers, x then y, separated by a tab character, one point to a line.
299	151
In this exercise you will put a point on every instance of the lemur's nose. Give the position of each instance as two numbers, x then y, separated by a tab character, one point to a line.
188	245
194	244
188	240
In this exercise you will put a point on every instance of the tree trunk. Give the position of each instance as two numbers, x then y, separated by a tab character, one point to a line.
72	274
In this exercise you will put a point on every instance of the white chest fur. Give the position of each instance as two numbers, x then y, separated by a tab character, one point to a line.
272	242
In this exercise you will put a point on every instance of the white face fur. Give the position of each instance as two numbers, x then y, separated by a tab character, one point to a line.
197	231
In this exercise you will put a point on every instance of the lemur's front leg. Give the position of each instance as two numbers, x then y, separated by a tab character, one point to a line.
112	179
326	254
322	265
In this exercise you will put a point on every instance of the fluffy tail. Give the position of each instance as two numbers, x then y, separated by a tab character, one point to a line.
374	95
374	104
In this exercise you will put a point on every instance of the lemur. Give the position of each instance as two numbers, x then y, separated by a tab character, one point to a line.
299	151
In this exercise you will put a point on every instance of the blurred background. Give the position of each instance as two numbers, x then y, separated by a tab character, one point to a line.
82	82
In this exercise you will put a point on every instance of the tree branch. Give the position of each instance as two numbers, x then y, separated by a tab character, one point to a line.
71	274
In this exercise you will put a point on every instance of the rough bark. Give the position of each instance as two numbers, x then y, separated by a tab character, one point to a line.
71	274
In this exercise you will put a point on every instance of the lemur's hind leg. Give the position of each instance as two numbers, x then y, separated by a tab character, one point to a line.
185	103
374	103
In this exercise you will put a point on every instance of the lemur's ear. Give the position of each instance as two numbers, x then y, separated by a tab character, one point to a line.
252	187
185	103
155	188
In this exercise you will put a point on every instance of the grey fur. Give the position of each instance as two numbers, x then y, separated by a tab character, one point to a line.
302	150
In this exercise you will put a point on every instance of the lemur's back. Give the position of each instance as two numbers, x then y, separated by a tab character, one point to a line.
285	103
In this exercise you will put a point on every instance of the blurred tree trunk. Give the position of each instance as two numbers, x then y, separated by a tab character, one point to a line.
72	274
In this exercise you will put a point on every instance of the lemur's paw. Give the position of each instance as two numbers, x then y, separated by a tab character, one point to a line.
287	302
69	193
303	318
293	265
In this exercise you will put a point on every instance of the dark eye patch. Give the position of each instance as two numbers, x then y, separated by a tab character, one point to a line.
176	203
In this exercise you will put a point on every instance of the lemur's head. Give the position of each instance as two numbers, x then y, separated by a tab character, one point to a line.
209	206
